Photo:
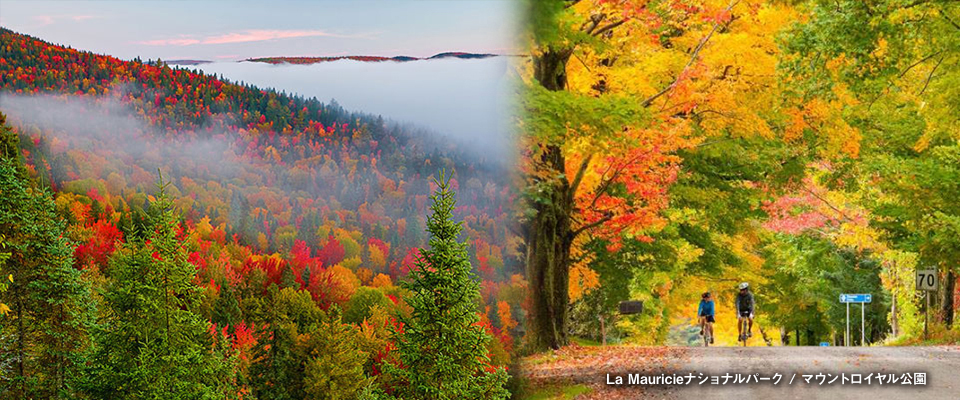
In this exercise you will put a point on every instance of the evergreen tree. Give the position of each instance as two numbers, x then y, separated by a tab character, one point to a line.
278	370
226	310
151	344
44	337
334	361
442	348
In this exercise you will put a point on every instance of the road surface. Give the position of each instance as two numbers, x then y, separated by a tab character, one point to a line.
595	368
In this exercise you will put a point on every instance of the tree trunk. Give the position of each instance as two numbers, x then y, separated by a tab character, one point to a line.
946	303
894	323
21	338
603	331
549	234
548	255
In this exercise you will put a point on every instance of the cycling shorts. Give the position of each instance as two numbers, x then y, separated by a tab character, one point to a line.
746	314
709	318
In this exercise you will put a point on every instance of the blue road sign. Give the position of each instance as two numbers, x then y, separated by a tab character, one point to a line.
856	298
824	344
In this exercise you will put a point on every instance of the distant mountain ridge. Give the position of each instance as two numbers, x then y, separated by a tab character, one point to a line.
314	60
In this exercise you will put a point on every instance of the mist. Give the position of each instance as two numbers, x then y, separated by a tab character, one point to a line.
105	127
92	142
466	100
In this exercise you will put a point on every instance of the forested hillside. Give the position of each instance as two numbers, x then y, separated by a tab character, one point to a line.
284	224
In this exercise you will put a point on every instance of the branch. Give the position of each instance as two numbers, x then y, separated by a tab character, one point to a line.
921	61
947	17
594	224
605	184
929	77
693	58
608	27
843	214
570	3
579	177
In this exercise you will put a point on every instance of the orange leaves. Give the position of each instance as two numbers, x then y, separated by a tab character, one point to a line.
624	192
506	317
381	281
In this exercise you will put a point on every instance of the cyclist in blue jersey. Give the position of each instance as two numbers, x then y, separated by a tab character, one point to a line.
706	314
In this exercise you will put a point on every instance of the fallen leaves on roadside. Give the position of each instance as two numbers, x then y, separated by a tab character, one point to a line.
589	366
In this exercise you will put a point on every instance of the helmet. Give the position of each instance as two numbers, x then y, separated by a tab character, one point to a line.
705	294
744	285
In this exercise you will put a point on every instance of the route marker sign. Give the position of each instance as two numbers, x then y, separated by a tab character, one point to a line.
863	299
824	344
927	280
856	298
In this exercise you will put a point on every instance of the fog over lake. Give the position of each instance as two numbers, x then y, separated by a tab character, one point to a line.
466	99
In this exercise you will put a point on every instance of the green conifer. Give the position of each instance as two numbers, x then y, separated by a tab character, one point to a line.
151	343
442	347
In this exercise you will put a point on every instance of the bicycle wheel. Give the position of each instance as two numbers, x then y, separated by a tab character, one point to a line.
743	332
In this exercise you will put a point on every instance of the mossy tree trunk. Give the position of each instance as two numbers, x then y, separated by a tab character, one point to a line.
549	235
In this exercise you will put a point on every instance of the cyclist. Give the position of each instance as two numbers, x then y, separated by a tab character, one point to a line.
706	315
744	304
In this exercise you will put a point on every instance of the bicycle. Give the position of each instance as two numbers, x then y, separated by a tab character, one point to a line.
707	337
744	330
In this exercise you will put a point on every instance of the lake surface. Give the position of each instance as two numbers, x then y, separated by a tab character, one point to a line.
463	99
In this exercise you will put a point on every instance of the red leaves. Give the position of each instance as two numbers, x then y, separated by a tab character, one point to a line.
332	253
645	168
100	246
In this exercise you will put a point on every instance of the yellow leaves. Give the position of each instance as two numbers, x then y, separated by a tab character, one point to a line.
858	236
344	279
204	228
836	64
582	280
881	49
4	309
826	119
262	241
377	259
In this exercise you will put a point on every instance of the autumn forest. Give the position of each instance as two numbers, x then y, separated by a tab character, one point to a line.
169	233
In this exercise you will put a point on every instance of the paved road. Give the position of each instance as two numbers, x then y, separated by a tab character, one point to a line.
591	367
941	365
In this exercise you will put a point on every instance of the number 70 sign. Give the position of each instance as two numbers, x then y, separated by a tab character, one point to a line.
927	280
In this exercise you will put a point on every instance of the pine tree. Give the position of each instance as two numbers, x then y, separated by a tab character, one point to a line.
334	361
278	369
151	344
45	334
442	347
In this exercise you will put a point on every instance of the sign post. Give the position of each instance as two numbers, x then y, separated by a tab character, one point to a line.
846	337
863	324
927	281
862	299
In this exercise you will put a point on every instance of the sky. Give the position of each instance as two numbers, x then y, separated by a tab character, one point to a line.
236	30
